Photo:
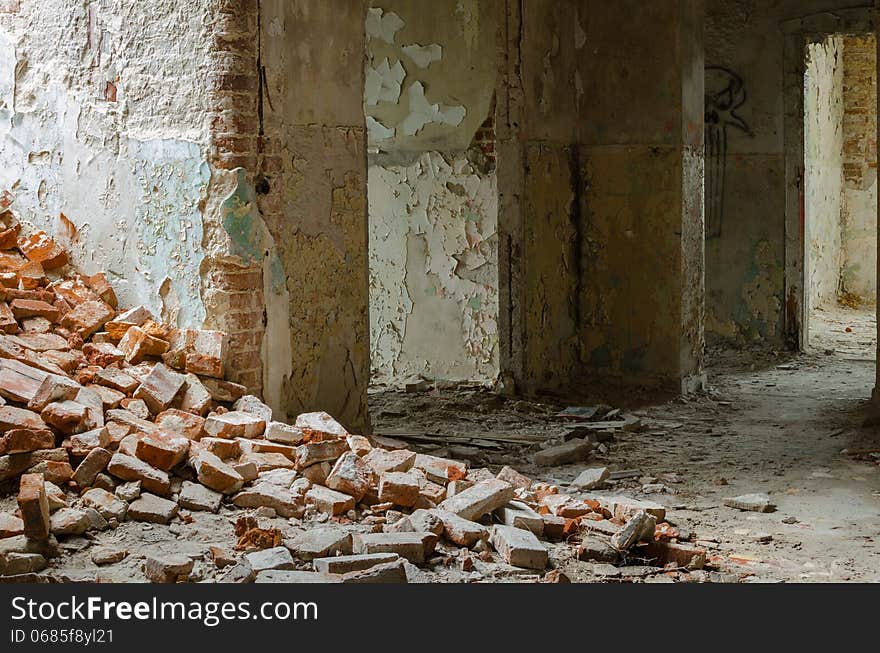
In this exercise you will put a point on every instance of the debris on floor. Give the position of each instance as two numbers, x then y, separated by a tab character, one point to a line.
114	417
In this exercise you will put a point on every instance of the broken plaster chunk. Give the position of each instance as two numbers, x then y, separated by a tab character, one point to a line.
751	502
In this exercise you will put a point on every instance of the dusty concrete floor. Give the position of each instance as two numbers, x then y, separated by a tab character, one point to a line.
788	426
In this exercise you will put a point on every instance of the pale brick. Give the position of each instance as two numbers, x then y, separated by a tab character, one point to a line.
283	433
572	451
320	426
519	515
88	318
167	568
412	546
482	498
320	543
234	424
194	397
92	465
215	474
150	508
109	505
129	468
253	405
350	476
195	496
399	488
519	547
181	422
316	452
383	461
329	501
280	499
159	388
162	450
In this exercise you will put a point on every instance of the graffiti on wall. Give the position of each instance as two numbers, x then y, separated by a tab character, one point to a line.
725	95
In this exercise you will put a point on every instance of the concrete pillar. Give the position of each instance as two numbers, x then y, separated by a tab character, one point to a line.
313	192
606	281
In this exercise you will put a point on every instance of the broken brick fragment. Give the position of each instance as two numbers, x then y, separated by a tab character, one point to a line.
88	318
137	345
159	388
34	506
40	247
22	308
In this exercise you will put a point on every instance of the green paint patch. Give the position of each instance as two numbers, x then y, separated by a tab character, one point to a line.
277	276
475	302
241	221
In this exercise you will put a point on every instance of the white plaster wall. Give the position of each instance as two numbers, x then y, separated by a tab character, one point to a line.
823	185
129	174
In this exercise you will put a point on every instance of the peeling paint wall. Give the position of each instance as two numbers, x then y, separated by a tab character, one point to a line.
101	123
823	181
433	198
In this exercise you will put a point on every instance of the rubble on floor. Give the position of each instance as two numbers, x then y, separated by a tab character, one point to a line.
110	416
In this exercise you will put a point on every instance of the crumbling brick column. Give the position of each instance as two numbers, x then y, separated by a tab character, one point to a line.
233	281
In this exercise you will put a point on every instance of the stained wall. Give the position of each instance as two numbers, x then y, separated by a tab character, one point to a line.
433	201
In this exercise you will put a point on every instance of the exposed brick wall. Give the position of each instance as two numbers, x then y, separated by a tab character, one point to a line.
234	82
860	115
485	139
237	290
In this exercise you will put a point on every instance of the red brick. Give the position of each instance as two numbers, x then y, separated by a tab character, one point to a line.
22	308
34	506
26	440
40	247
162	450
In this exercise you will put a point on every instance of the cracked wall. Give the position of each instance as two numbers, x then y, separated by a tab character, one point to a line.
433	197
100	124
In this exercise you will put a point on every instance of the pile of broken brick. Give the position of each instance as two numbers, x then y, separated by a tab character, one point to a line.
110	415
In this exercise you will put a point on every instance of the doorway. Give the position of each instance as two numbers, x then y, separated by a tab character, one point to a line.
840	193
